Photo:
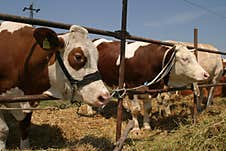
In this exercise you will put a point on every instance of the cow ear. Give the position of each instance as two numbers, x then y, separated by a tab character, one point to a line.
47	38
79	29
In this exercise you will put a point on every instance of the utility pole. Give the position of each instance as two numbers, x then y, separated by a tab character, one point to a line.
31	9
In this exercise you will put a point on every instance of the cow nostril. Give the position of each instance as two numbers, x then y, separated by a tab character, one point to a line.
206	75
103	97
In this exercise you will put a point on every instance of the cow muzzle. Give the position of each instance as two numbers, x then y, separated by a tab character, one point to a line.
103	98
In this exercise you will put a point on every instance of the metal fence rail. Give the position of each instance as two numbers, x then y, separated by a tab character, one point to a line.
116	34
25	98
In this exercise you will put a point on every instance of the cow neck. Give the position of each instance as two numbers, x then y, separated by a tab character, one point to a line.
29	57
34	66
166	59
30	54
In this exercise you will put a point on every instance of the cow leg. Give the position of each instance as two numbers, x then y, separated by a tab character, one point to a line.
24	126
147	110
24	118
135	110
163	101
197	95
159	104
166	103
4	130
217	75
210	96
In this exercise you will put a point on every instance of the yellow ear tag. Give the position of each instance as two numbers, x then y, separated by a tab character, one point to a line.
46	44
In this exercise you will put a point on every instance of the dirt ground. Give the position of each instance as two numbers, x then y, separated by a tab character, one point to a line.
65	130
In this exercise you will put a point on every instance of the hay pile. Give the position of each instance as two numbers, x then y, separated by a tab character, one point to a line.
66	130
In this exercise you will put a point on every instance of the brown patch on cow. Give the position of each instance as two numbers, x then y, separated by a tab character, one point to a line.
77	59
143	67
108	54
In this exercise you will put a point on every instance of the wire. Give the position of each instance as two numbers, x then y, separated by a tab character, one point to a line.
206	9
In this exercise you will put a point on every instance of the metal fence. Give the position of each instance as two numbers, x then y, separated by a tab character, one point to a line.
120	34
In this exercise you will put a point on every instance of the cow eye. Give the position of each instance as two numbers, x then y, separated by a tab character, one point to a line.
78	57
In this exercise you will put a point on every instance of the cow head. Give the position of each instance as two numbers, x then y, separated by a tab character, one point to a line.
79	57
186	68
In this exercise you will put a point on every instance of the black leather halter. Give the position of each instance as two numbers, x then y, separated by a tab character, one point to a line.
75	84
78	83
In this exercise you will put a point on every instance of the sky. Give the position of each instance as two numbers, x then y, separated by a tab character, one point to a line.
155	19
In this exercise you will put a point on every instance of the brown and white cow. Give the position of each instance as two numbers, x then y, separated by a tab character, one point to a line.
28	65
144	61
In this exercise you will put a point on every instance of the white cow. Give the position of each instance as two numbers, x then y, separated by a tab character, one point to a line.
212	63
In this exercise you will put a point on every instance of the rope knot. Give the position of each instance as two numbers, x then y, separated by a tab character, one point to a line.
119	93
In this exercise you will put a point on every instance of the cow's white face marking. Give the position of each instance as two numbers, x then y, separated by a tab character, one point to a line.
12	26
186	68
60	86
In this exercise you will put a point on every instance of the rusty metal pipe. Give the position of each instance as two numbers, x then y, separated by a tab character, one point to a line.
121	68
25	98
53	24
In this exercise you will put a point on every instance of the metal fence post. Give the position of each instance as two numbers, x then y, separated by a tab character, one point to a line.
121	68
195	84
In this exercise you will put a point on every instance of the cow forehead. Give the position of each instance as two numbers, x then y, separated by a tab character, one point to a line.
12	26
183	51
74	40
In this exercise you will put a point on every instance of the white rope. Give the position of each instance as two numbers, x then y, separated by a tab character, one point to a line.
164	57
165	70
161	74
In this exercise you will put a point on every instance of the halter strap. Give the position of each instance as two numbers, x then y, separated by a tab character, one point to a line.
79	83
